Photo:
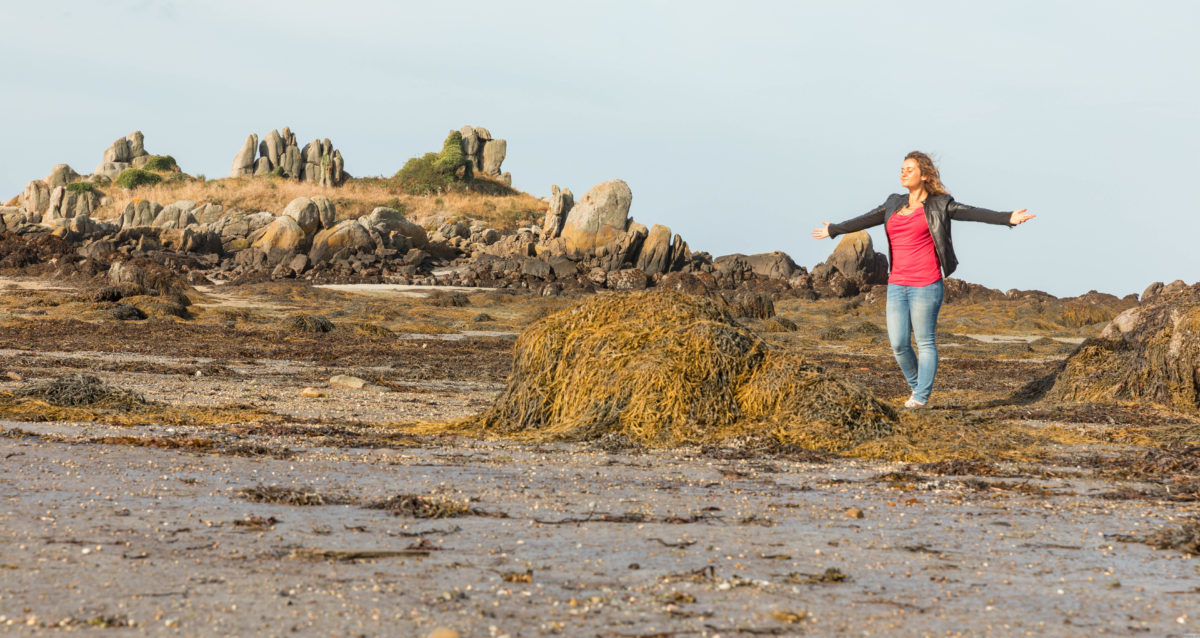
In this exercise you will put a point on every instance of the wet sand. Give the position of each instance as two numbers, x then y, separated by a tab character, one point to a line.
564	540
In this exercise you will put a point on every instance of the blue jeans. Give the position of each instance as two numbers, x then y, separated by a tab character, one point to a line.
914	309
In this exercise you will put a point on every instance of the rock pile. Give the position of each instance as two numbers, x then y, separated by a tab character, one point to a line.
278	154
484	153
126	152
56	197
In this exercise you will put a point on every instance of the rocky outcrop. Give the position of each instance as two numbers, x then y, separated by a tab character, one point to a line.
280	240
391	224
304	211
125	152
35	199
139	212
67	202
348	237
318	162
774	265
1158	288
855	258
655	255
12	218
484	153
598	220
243	162
61	175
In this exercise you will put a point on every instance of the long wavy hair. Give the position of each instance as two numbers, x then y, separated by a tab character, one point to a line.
929	173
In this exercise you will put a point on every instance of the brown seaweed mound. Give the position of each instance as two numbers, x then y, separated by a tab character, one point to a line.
1150	352
664	368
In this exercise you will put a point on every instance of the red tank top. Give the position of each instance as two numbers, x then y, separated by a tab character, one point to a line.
914	259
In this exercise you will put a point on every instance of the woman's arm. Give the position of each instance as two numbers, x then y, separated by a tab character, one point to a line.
963	212
874	217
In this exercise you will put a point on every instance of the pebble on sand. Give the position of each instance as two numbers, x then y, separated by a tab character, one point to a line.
347	381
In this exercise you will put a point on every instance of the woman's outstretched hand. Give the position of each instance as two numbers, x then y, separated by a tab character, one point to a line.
1020	217
822	233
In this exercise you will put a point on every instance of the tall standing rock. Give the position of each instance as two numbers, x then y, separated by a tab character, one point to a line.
312	161
493	155
243	162
290	162
470	145
598	219
137	144
271	147
118	152
561	201
36	198
656	251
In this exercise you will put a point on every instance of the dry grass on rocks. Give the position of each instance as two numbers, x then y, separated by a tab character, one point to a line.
498	208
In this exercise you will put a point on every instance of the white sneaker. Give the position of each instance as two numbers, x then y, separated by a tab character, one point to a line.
913	404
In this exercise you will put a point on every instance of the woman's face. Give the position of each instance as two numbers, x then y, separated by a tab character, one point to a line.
910	174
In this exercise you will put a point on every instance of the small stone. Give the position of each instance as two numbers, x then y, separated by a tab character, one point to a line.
854	512
347	381
14	376
313	393
443	632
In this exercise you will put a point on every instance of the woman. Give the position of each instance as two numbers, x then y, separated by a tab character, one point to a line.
920	254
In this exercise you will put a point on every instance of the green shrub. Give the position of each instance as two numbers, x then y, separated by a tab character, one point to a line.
451	157
131	178
81	187
162	163
420	176
278	172
434	173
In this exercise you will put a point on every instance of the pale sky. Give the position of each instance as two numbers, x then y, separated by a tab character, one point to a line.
740	125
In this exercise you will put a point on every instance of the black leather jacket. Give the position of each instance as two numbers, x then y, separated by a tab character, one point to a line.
939	210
